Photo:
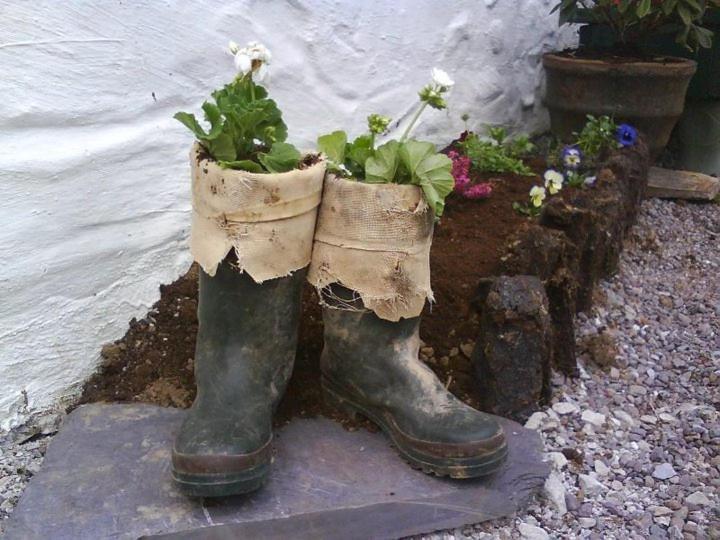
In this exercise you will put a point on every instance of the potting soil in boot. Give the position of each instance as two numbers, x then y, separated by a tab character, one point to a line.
252	236
370	265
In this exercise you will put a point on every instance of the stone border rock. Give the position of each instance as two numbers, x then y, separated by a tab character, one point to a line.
575	243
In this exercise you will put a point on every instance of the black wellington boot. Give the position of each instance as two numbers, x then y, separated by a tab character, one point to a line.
371	366
244	357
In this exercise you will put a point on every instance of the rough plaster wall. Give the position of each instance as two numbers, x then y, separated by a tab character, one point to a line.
94	207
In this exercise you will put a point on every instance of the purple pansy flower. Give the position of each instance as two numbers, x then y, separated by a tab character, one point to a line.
572	157
626	135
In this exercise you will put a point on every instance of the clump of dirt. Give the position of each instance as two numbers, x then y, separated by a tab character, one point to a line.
153	362
602	349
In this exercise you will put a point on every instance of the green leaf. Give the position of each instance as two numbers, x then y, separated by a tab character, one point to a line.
360	150
382	167
643	8
413	152
497	134
695	5
242	121
214	117
243	165
703	37
222	148
333	146
434	173
190	122
685	15
282	157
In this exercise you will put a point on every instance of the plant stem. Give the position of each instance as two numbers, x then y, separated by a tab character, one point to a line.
412	122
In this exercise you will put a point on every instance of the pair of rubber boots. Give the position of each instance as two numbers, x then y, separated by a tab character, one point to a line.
244	358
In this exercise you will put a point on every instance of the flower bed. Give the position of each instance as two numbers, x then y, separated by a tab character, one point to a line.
573	243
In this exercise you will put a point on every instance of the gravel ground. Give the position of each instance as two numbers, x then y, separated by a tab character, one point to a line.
635	441
21	454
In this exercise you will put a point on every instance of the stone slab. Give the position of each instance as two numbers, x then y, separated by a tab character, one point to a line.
670	184
107	475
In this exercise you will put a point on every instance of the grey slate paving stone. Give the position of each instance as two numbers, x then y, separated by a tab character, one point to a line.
107	475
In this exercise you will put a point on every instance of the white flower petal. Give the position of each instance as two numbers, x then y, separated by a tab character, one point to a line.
260	74
243	63
233	47
441	78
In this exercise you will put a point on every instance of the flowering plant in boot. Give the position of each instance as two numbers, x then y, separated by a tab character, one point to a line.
402	161
246	127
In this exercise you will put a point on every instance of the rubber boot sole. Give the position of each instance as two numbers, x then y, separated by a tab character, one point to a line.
222	485
466	467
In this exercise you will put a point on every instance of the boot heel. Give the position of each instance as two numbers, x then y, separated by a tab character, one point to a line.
335	402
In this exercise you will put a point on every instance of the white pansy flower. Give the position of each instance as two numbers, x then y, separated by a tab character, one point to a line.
441	78
254	57
553	181
537	196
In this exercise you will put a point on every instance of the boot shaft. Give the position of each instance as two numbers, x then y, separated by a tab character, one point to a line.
247	335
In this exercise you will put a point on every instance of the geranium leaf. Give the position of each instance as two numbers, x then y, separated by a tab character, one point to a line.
214	117
412	153
190	122
243	165
359	151
434	173
222	148
282	157
383	165
333	146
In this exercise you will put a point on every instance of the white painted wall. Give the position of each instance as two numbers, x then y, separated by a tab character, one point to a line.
94	206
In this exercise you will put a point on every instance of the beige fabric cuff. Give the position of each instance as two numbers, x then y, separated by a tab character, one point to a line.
375	239
269	219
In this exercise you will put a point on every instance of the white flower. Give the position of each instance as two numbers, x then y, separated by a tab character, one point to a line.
254	57
537	196
553	181
589	180
441	78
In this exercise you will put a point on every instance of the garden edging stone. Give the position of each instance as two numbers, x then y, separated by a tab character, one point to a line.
576	242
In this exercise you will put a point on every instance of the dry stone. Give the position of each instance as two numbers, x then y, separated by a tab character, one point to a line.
512	355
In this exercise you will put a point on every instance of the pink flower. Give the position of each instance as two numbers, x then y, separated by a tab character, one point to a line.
460	170
478	191
461	174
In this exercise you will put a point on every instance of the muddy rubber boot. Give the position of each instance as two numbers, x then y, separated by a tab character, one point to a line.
244	357
371	366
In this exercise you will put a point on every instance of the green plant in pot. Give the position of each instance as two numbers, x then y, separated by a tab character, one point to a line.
620	79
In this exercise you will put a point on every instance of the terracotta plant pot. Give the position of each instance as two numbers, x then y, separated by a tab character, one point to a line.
648	95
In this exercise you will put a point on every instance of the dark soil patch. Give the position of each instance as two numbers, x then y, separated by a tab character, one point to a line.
153	362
